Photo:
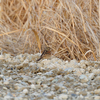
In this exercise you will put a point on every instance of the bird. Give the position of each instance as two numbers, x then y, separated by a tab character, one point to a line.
46	54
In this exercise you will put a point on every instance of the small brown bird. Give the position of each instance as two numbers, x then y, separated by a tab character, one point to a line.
46	54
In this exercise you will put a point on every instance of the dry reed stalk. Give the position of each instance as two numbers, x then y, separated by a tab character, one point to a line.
99	14
69	27
0	9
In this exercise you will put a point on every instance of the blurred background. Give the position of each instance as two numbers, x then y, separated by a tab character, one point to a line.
70	27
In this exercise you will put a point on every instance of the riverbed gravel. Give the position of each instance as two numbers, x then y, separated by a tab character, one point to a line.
22	78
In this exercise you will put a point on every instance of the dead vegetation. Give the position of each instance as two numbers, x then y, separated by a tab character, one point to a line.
69	27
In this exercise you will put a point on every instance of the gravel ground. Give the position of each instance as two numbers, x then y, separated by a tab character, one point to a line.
21	78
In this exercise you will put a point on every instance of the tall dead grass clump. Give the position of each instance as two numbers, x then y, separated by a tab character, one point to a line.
69	27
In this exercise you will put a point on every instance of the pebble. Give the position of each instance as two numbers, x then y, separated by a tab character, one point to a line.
22	78
97	91
33	86
91	76
25	91
97	98
63	96
83	78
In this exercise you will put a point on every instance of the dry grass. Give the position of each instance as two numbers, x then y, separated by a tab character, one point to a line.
69	27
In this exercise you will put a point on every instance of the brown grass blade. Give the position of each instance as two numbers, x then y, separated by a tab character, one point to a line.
37	38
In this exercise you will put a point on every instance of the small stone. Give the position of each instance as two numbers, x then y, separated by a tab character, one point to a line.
96	71
91	76
74	95
32	64
83	78
73	63
97	78
50	95
4	65
97	91
18	98
96	97
18	87
80	97
33	86
65	91
68	70
63	96
7	97
1	57
25	78
20	66
7	56
4	88
69	78
6	82
83	93
96	65
1	77
26	63
25	91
